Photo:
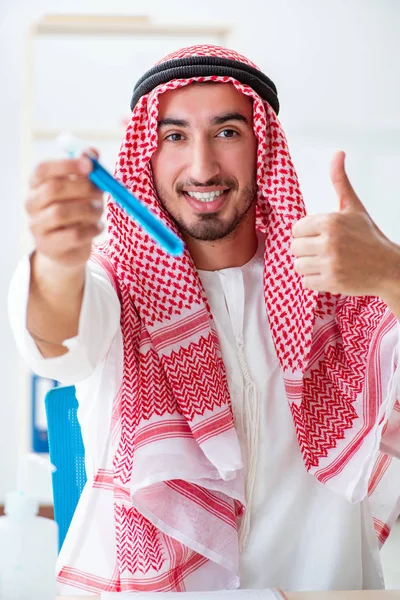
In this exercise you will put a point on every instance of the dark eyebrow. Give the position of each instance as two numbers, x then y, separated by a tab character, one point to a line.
229	116
173	122
220	120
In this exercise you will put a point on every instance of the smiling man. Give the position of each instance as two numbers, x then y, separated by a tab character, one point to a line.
239	404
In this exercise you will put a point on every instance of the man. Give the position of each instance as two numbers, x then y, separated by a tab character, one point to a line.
237	404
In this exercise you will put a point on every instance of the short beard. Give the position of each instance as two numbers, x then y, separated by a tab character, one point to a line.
209	226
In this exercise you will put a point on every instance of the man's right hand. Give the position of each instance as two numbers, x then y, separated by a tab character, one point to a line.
64	209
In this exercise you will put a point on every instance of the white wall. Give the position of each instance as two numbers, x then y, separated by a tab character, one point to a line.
336	67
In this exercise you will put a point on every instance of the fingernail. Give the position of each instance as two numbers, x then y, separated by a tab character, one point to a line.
85	165
97	204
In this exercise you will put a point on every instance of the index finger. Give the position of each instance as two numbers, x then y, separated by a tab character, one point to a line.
308	226
61	168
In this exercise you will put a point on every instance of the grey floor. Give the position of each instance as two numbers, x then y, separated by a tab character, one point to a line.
391	559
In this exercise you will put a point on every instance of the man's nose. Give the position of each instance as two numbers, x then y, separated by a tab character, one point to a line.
203	165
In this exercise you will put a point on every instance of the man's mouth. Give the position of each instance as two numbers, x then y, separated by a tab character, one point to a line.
206	201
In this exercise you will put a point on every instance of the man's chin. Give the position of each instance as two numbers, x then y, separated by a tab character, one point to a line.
211	229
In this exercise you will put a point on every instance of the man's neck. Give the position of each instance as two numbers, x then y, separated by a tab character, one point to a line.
235	250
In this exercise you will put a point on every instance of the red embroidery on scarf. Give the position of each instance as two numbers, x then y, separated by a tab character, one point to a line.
382	531
139	549
330	389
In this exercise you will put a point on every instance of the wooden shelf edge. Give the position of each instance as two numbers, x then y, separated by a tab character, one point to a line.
71	19
45	510
77	24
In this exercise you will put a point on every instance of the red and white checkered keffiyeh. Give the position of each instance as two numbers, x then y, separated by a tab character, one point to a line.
174	470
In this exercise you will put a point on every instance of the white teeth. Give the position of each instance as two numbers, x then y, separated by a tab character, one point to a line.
205	196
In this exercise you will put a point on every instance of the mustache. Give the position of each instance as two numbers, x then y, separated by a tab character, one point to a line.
229	182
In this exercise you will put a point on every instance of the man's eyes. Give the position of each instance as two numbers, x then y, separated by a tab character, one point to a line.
225	133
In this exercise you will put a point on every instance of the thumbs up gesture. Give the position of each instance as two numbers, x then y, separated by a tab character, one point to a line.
345	252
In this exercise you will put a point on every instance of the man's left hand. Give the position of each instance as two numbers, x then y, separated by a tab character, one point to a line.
345	252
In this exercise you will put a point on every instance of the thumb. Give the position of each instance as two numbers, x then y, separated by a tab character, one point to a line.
348	199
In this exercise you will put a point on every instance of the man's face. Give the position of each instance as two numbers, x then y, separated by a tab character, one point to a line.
205	165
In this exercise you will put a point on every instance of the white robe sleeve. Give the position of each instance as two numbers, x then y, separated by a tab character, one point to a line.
99	321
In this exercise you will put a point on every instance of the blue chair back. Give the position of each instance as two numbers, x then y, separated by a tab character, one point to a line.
67	454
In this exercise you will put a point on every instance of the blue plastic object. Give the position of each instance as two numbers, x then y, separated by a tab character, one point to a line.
162	234
67	454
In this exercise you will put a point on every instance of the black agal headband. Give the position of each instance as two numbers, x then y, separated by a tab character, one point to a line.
205	66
